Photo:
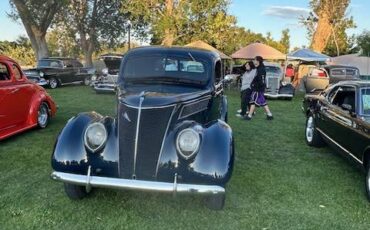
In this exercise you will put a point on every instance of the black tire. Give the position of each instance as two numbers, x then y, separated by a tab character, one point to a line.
312	136
75	192
53	83
367	180
215	202
43	115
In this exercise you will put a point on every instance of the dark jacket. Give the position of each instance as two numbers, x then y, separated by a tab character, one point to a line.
259	82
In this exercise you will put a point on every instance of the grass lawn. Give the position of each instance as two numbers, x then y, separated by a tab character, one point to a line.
278	181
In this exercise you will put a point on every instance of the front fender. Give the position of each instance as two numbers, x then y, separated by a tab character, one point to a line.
70	154
213	164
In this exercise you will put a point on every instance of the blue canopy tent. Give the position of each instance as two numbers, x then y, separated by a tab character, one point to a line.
308	56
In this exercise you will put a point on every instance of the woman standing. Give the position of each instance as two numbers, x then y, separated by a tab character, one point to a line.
245	90
258	86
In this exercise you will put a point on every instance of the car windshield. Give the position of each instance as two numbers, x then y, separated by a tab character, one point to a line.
166	68
365	101
273	70
50	63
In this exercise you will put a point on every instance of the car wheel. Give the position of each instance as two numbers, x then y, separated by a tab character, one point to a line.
87	81
43	115
367	180
215	202
75	192
313	137
53	83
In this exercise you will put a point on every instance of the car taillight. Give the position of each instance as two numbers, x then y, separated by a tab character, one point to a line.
321	74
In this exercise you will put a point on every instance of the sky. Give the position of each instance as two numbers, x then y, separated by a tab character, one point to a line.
260	16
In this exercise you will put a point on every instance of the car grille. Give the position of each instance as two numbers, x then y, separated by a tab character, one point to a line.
153	125
272	84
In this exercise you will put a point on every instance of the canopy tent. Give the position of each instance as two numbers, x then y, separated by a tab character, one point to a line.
258	49
362	63
203	45
308	56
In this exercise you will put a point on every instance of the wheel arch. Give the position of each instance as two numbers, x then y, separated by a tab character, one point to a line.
366	157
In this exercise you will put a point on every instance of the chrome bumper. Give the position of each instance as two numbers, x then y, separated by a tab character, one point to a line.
154	186
278	95
104	87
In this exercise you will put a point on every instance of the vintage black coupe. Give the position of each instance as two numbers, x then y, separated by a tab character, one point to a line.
57	71
170	133
340	116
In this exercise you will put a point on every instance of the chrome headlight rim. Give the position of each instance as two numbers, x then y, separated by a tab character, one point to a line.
105	71
102	144
191	153
42	74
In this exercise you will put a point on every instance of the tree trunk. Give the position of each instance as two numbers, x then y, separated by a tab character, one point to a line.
88	55
169	32
322	34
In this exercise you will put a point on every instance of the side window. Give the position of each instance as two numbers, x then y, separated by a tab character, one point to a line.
77	64
218	72
345	95
17	72
332	94
4	72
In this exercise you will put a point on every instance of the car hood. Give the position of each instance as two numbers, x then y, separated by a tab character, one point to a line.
158	99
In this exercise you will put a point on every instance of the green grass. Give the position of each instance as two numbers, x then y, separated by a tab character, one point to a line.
278	181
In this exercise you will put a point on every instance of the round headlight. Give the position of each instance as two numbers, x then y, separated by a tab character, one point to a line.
95	136
42	74
104	71
187	142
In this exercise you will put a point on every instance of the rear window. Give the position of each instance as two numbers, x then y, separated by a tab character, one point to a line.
50	63
165	66
344	72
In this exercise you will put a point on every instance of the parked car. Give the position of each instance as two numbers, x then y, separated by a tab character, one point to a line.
169	135
107	82
276	87
23	104
340	116
57	71
320	77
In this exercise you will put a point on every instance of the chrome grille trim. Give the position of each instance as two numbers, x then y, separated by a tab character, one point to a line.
164	138
181	115
137	133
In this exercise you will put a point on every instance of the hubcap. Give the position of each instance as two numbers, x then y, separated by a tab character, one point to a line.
309	129
53	83
87	81
43	115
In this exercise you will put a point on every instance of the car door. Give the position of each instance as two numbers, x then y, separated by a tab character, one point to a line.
6	92
78	71
22	94
68	72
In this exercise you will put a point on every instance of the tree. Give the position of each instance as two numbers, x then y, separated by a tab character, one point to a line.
36	16
180	21
363	42
285	40
328	23
20	50
91	22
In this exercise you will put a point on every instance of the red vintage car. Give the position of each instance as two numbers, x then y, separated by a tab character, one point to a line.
23	104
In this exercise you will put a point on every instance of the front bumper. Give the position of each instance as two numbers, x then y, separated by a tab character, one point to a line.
104	87
130	184
281	95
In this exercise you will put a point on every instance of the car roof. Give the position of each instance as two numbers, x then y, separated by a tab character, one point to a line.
338	66
58	58
173	50
6	58
358	83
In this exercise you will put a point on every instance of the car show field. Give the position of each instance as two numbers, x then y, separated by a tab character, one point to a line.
278	181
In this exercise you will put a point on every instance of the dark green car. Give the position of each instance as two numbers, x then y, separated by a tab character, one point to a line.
340	117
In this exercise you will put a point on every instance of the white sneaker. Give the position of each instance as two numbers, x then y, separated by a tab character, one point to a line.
238	115
239	110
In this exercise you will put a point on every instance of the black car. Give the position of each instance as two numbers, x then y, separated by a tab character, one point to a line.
340	116
170	133
56	71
